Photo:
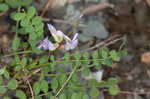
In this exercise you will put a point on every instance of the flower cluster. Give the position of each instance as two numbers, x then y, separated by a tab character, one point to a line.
58	35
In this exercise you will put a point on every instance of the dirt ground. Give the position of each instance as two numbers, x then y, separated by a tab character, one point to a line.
132	20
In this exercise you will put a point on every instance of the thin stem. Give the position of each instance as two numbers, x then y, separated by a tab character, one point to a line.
62	87
41	65
16	53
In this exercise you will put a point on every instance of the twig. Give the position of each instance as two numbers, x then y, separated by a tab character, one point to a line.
110	40
62	21
96	8
133	93
16	53
128	92
66	81
3	12
30	89
49	2
33	72
26	78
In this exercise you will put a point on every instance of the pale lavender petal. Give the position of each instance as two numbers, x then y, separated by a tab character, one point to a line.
46	39
51	28
75	36
45	44
40	46
68	46
71	44
51	46
74	44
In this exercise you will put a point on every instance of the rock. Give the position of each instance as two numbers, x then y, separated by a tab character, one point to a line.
95	75
58	12
39	5
72	14
97	29
84	38
93	29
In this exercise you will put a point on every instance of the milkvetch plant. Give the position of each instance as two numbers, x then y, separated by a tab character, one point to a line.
38	72
58	36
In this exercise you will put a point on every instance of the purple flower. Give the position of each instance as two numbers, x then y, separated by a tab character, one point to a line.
58	35
71	44
47	45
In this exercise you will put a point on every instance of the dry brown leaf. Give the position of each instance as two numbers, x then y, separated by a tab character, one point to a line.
145	58
148	2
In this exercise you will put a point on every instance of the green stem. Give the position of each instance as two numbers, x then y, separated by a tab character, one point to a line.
41	65
16	53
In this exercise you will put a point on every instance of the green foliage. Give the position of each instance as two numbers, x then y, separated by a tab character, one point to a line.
30	12
62	96
113	90
86	71
44	86
95	62
31	25
74	96
16	43
103	52
61	78
77	56
3	7
122	53
67	58
18	16
18	3
24	61
3	90
112	81
36	88
20	94
85	97
12	84
54	84
94	92
1	80
43	60
6	74
92	82
73	88
2	70
53	63
114	55
6	98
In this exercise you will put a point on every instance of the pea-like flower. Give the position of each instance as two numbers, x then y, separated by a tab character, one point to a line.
47	45
71	44
57	34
